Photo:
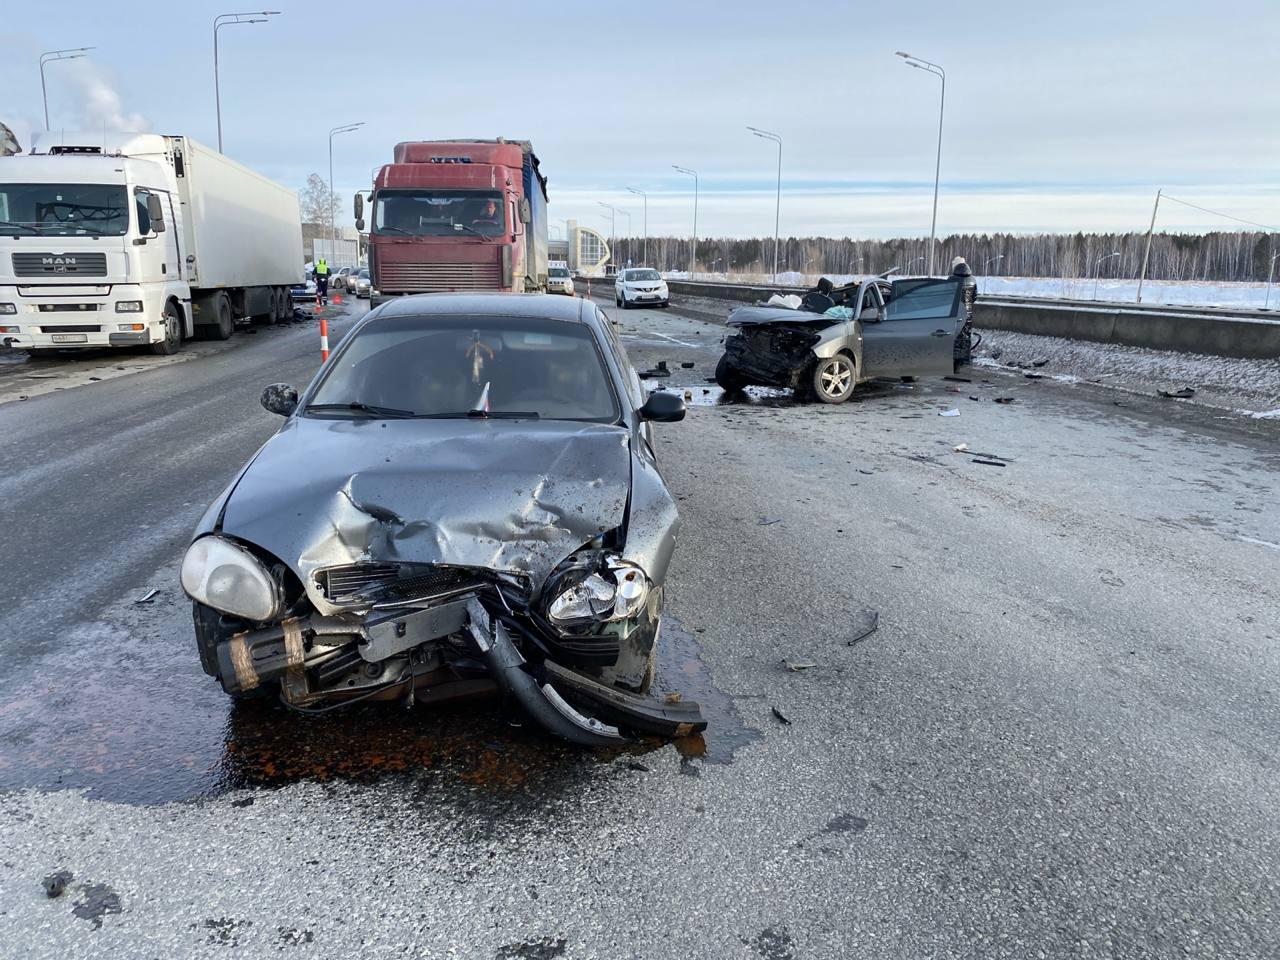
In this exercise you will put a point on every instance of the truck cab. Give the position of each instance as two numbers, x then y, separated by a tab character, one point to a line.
455	216
91	250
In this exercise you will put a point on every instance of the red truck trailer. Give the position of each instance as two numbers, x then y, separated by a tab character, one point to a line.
451	215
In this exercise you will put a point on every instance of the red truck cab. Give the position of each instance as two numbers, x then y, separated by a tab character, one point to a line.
450	215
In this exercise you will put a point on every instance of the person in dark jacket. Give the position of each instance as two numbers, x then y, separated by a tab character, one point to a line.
968	296
819	299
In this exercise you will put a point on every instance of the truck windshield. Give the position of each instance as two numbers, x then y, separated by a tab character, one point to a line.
439	213
63	209
469	366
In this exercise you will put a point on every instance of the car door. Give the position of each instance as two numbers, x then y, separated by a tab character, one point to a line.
914	335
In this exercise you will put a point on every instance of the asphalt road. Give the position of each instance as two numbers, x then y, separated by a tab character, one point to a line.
1060	742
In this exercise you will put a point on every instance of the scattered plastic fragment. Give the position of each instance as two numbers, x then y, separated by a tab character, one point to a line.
673	697
960	447
1033	376
765	521
1186	393
688	364
148	596
779	715
990	463
1003	399
870	629
795	666
959	379
953	412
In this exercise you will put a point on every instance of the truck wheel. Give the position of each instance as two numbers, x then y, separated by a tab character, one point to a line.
225	326
172	341
833	379
285	305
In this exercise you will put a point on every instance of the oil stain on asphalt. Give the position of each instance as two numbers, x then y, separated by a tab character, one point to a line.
146	729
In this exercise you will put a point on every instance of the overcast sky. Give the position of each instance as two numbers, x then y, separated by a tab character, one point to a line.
1059	117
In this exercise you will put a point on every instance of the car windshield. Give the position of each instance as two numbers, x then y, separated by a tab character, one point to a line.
557	272
439	213
642	275
442	366
364	275
63	209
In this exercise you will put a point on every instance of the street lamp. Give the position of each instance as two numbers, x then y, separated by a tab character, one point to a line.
641	193
333	240
1270	273
75	53
220	21
613	227
916	260
1114	253
995	259
853	264
941	74
777	209
693	259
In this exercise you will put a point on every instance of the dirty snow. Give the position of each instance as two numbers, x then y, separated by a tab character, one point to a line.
1247	388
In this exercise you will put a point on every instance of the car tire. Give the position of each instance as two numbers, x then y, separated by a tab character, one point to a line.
665	304
833	379
617	300
728	378
172	341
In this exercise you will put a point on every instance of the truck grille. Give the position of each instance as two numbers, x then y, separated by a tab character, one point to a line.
71	328
59	264
438	277
367	582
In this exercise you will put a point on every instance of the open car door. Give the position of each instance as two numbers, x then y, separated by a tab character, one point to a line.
916	330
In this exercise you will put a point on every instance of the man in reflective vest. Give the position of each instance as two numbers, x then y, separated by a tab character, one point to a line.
322	280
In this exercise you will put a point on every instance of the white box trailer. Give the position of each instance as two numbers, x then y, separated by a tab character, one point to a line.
144	239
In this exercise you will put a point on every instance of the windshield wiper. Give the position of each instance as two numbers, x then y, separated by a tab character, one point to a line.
14	223
390	229
357	407
471	229
481	415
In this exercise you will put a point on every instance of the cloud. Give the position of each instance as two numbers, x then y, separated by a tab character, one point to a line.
101	105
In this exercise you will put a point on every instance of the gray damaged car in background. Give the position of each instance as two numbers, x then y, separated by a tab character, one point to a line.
464	501
878	329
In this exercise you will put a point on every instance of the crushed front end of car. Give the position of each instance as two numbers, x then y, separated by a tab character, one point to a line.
773	347
427	569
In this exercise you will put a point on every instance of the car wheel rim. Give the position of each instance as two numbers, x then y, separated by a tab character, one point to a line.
835	379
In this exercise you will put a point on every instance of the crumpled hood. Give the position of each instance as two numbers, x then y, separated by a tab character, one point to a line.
763	315
515	497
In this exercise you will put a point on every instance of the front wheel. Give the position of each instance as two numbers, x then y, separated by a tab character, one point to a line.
728	378
172	341
833	379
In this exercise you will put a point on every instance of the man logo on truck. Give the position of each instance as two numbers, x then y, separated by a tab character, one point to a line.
58	261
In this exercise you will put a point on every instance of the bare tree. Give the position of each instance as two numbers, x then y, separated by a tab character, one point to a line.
318	204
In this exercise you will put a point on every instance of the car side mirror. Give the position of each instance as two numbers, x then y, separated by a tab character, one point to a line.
663	407
280	398
156	213
359	211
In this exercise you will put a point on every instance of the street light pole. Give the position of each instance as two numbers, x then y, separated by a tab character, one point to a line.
941	74
220	21
693	258
777	207
333	239
641	193
1270	273
1114	253
74	53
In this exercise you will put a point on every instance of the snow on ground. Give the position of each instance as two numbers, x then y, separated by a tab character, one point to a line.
1249	388
1187	293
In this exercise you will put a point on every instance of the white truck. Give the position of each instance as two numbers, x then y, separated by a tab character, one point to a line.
141	239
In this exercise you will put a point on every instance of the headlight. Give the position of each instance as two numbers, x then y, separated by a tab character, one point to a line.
8	308
592	588
129	306
227	577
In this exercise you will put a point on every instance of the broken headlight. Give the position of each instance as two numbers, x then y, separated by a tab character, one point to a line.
224	575
591	588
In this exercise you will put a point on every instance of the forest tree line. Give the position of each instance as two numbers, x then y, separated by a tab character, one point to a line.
1232	256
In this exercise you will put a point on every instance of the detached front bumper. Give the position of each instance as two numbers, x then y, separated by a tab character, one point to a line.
460	647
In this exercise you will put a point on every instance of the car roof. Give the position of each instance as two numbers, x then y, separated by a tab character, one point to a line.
487	304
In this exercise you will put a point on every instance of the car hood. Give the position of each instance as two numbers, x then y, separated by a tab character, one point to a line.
511	497
756	316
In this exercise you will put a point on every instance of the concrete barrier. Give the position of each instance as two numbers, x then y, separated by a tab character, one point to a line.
1221	333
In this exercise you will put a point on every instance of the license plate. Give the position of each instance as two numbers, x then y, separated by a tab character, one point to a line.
70	338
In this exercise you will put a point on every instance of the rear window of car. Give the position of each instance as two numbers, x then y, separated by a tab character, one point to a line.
442	366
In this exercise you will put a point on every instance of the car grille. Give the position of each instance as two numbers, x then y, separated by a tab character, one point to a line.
59	264
439	277
387	582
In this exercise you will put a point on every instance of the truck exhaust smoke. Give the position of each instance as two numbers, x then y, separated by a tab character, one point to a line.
102	105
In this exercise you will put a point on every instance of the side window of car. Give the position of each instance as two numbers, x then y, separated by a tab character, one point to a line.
635	389
923	299
144	216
